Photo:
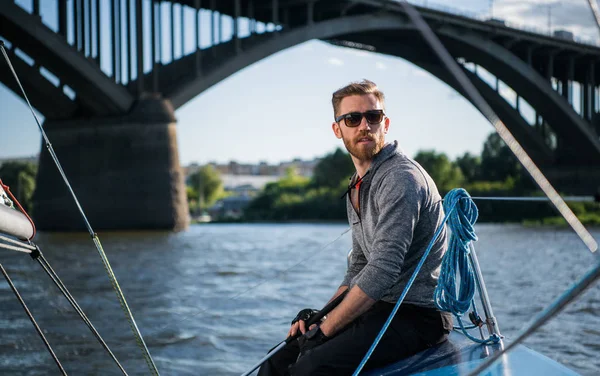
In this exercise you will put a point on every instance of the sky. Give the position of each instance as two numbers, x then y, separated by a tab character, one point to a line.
279	109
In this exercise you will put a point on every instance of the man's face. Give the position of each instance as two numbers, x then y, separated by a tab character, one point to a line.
366	140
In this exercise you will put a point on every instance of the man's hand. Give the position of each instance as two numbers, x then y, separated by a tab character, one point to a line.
299	322
298	326
311	339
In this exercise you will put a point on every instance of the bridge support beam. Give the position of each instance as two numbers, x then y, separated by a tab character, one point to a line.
125	171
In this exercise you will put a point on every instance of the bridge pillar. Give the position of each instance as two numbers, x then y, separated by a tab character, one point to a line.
124	170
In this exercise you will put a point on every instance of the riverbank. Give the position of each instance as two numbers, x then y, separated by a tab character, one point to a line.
588	220
592	221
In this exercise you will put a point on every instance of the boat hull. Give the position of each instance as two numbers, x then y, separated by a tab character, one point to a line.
459	355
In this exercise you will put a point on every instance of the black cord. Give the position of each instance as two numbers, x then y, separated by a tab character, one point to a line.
52	274
37	328
352	186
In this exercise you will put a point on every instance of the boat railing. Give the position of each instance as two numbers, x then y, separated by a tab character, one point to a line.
490	319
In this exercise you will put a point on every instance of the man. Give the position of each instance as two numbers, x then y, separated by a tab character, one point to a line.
394	209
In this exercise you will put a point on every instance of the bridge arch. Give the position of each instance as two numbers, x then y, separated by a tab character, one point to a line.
378	30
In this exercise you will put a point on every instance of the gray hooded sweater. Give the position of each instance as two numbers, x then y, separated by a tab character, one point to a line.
400	210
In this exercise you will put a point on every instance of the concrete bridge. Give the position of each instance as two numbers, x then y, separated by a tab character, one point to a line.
109	100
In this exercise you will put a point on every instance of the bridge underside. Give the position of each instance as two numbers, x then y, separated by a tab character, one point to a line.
95	93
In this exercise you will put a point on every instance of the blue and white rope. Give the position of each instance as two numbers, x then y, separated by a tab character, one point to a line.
448	296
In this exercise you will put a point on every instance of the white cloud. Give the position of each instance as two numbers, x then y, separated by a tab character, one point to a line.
308	46
335	61
418	72
381	66
507	92
358	53
543	15
533	15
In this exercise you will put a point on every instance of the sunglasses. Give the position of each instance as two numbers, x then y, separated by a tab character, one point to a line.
353	119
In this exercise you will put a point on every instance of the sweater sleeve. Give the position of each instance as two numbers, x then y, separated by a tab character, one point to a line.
399	198
356	262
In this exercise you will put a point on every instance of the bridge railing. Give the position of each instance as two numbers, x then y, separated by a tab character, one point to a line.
85	32
111	45
106	32
486	17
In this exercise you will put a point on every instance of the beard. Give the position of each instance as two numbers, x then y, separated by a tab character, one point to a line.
365	152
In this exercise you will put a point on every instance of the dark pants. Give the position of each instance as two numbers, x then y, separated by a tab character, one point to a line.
412	330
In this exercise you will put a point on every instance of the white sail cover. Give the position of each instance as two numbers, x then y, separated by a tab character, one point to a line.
12	221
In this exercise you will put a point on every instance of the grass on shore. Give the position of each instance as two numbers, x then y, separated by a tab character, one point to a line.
587	219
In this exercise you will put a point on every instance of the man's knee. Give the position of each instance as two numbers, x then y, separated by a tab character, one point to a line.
303	367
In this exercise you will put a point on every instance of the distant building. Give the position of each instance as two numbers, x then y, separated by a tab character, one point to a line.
244	181
303	168
229	208
564	34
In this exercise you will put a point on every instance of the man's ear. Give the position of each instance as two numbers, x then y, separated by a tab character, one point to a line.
386	125
336	130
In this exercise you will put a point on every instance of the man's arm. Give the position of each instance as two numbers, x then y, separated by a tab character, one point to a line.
340	290
356	263
354	304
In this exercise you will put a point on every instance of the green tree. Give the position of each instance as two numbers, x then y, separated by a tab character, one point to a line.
192	197
445	174
207	187
292	180
470	166
498	163
20	177
332	169
281	199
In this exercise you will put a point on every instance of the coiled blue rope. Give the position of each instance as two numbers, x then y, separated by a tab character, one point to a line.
448	296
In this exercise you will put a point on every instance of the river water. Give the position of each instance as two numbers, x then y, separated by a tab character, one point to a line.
213	299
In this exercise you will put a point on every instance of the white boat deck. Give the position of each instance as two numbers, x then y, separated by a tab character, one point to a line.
459	355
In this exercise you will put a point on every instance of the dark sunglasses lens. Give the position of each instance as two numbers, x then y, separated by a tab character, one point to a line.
353	119
374	117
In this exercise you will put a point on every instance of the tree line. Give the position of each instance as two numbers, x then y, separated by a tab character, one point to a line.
495	172
20	178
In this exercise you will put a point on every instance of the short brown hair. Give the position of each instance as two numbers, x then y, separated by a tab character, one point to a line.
363	87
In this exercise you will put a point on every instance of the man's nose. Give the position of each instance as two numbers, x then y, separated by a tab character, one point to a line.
364	124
